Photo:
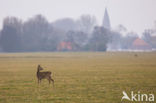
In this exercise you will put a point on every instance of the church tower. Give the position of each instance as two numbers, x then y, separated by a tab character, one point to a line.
106	20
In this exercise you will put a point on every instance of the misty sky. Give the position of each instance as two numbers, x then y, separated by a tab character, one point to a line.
135	15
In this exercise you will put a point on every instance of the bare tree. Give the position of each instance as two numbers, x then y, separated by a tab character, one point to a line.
86	23
10	40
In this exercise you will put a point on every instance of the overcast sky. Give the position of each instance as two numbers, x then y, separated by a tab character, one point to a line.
135	15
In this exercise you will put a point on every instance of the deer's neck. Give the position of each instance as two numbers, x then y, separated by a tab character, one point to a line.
38	71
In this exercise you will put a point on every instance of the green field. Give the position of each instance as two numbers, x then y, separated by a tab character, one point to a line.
79	77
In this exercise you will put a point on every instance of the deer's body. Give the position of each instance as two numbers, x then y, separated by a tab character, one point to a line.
43	75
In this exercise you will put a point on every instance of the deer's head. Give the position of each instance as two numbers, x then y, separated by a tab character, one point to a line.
39	67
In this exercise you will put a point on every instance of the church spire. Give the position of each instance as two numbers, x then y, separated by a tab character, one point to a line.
106	21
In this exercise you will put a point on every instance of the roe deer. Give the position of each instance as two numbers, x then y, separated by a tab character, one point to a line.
44	75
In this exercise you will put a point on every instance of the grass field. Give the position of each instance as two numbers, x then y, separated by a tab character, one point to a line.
79	77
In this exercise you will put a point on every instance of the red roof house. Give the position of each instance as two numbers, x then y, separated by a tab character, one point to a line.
64	46
140	44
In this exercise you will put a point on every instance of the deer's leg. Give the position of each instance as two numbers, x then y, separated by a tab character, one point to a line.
52	81
38	81
49	80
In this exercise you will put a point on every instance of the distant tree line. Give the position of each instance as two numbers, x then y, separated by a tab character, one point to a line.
37	34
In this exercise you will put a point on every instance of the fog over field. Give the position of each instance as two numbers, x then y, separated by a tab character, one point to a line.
77	51
82	25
